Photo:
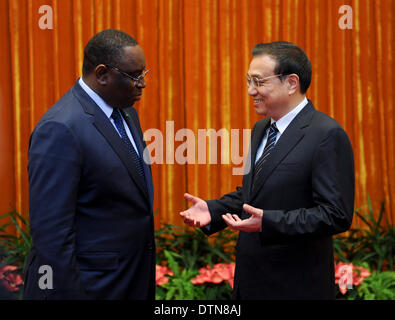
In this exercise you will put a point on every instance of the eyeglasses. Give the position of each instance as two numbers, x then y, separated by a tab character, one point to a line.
256	83
135	80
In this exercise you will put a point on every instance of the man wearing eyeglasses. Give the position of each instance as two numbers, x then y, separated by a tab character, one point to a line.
91	193
298	193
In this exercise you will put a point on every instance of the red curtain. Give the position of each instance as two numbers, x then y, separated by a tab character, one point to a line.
198	52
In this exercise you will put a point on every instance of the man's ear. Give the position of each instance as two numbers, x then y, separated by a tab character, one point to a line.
293	83
101	73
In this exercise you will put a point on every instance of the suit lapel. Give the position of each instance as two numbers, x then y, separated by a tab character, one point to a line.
292	135
104	126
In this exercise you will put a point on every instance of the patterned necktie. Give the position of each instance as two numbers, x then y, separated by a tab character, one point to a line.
121	129
271	140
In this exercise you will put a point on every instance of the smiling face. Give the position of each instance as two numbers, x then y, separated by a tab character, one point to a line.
271	98
119	90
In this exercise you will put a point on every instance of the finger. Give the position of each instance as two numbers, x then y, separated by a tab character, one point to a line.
232	224
236	217
230	217
191	198
229	220
252	210
226	219
184	214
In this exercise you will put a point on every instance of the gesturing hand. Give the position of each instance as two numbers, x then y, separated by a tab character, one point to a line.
252	224
198	215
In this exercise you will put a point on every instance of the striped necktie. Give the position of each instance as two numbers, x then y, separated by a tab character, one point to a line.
121	129
271	141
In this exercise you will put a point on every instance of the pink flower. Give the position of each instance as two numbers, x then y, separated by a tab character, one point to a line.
218	273
347	275
359	275
161	272
9	279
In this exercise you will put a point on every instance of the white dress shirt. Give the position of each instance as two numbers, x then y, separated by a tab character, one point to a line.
107	109
281	124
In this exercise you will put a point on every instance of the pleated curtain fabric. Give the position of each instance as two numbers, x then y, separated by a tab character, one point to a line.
198	53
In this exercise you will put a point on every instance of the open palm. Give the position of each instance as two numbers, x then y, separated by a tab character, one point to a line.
198	215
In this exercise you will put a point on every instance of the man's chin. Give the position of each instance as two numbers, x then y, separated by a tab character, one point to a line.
128	105
261	110
132	102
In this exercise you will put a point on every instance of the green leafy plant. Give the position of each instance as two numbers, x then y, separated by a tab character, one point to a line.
13	253
192	247
222	291
179	286
379	286
373	243
15	248
185	251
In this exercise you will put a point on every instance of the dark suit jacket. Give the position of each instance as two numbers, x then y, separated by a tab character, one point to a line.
90	212
307	195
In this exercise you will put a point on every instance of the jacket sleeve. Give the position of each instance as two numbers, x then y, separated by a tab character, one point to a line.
55	162
231	202
333	193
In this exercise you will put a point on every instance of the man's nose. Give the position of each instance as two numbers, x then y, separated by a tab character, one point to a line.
252	90
141	83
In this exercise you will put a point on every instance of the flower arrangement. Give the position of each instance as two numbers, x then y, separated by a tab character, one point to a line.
193	266
177	282
199	269
161	275
9	279
216	274
186	256
360	283
347	275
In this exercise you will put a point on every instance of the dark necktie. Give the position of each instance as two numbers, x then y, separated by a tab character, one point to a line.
121	129
271	140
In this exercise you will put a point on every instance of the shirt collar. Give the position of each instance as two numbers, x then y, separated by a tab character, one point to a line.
284	122
106	108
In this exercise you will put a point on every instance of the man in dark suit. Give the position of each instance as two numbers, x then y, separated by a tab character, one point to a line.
91	193
299	190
